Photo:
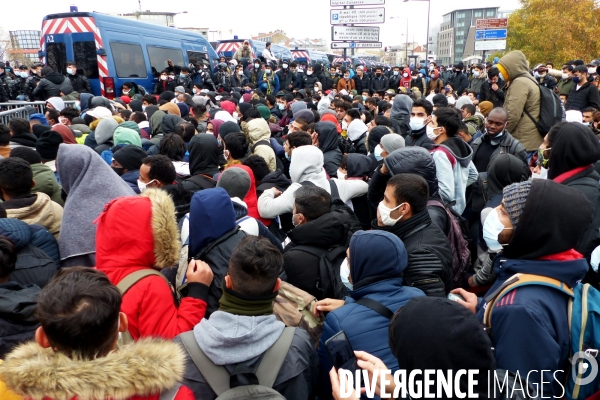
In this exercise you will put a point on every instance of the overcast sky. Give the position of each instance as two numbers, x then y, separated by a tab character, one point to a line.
299	19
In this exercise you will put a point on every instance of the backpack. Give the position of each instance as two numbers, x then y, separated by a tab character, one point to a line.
260	384
329	283
584	328
551	111
126	284
461	256
348	146
295	308
278	162
201	181
337	205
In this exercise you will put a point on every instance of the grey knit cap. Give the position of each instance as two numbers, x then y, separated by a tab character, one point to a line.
515	197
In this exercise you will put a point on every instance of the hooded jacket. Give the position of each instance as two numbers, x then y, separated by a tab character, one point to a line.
258	130
169	122
214	233
435	83
17	309
125	136
51	85
455	171
89	183
251	200
378	84
138	371
204	161
105	130
541	244
495	97
401	109
36	209
357	133
23	139
377	263
302	268
149	303
45	182
373	141
522	95
306	165
65	132
329	144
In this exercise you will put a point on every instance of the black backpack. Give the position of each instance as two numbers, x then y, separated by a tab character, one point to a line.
551	111
278	161
329	284
337	205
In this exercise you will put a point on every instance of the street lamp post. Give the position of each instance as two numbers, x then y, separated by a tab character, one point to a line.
428	17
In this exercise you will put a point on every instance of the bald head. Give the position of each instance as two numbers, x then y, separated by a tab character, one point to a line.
496	121
500	112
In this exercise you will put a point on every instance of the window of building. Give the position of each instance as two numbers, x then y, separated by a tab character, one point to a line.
129	60
478	14
86	58
490	13
159	56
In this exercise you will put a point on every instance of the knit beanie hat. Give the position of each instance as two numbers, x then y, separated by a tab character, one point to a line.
47	145
130	157
515	197
440	100
264	112
235	181
308	115
26	153
392	142
485	107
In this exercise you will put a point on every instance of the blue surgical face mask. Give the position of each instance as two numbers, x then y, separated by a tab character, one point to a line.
281	106
396	73
287	157
377	152
475	73
364	98
182	75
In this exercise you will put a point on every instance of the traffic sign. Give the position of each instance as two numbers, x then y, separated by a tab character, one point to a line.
337	3
355	33
492	23
490	45
358	16
491	34
356	45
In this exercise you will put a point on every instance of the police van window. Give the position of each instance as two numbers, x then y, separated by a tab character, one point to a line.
86	58
195	57
129	60
159	56
56	56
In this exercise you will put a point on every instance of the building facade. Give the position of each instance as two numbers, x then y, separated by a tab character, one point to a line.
456	37
24	46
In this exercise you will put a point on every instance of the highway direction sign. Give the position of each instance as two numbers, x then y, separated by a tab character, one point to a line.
337	3
492	23
490	45
491	34
356	45
358	16
355	33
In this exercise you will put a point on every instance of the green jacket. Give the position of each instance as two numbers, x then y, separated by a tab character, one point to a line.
45	182
565	86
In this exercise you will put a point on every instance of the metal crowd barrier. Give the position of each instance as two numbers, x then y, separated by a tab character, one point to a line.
16	109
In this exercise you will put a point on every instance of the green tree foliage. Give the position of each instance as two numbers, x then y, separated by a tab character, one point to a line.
555	31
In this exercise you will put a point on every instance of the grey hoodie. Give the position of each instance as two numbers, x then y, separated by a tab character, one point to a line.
400	113
105	130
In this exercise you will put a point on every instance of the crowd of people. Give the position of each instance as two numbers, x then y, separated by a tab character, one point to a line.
208	237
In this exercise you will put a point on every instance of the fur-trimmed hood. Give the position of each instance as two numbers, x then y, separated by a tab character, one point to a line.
137	232
143	368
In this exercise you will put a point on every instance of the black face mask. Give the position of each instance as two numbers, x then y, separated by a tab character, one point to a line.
378	74
119	171
458	71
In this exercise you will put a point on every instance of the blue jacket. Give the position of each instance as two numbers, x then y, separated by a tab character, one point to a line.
530	329
131	178
376	277
263	86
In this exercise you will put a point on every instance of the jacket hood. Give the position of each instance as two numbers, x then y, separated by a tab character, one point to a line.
24	139
375	137
143	368
436	74
307	165
358	165
126	136
548	225
573	146
204	155
156	243
401	107
258	129
43	209
211	216
105	130
333	119
356	129
17	231
216	123
90	183
414	160
55	77
441	334
502	171
18	305
131	125
459	149
328	136
169	122
44	178
326	231
84	101
515	64
83	128
156	122
367	265
569	271
229	339
100	101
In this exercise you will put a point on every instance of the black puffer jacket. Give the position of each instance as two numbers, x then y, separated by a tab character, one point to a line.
51	85
17	309
410	160
419	138
429	257
80	83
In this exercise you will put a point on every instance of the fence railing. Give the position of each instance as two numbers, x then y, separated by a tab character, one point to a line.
17	109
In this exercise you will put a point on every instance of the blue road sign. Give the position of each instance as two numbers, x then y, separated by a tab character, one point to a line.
491	34
335	17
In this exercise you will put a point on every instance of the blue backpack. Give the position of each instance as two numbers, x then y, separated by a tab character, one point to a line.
584	329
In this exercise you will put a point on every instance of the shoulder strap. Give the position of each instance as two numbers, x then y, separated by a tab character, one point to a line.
335	194
216	376
133	278
203	181
273	359
261	143
170	393
520	280
315	251
376	306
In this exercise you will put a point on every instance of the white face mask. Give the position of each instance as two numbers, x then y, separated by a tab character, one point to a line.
345	274
405	75
316	89
163	77
592	70
341	175
284	66
417	123
257	66
236	115
142	186
240	72
492	227
194	90
309	72
385	212
542	175
565	76
344	125
431	133
70	71
63	120
125	91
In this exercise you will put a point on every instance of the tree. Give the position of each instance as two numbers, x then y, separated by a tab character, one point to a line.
555	30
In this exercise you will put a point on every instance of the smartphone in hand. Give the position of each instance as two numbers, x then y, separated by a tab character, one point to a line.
341	354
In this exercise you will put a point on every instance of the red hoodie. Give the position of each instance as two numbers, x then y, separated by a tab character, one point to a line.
251	199
405	81
126	242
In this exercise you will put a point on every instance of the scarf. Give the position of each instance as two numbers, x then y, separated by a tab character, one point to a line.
239	304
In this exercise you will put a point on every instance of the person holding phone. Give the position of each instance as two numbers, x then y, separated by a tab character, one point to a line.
377	260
